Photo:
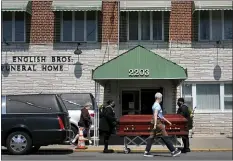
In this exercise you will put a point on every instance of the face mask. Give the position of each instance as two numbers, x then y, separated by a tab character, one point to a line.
179	104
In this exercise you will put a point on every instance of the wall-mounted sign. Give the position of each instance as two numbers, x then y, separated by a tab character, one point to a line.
139	72
29	63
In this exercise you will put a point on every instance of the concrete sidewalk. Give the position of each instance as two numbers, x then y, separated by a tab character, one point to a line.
196	144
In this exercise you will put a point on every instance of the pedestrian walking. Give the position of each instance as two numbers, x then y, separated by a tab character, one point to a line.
184	111
85	122
159	127
107	124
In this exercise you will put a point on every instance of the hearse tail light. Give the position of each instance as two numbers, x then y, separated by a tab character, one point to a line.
92	115
61	125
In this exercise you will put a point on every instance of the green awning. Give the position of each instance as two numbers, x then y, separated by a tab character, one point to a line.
17	6
213	5
139	63
145	6
77	5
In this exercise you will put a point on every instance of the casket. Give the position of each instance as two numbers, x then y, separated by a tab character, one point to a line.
140	125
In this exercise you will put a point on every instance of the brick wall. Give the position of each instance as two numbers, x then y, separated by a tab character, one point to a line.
109	21
42	23
181	21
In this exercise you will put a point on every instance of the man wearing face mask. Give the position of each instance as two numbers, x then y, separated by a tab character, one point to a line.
107	124
184	111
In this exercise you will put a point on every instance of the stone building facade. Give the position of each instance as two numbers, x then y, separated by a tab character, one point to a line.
39	45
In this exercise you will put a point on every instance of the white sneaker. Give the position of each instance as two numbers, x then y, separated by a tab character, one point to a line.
90	142
148	154
176	153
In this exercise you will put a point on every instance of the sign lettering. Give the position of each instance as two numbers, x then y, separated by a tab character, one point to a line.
139	72
28	63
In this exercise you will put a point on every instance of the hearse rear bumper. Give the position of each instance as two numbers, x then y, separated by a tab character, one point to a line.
48	137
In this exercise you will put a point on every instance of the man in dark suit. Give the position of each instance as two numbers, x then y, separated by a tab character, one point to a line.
107	124
184	111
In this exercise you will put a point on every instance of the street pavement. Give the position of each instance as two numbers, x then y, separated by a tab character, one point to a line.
196	144
208	148
69	155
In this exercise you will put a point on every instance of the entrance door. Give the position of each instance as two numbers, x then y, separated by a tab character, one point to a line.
130	102
148	99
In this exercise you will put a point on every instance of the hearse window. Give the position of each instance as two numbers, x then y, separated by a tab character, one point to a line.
3	105
32	104
61	104
76	101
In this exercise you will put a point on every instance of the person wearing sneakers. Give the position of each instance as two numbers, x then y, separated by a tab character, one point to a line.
159	127
85	122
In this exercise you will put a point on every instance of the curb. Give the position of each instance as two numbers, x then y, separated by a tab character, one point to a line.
154	151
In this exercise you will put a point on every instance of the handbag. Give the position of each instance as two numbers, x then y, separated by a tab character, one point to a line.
158	130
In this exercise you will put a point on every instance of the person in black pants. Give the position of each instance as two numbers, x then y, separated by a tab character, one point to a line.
159	129
184	111
107	124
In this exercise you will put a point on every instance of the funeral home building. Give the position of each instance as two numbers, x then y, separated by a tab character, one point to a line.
125	51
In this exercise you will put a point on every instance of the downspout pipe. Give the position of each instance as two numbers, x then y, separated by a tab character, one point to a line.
118	41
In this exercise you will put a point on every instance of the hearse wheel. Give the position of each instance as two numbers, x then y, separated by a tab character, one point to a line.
127	150
74	132
18	143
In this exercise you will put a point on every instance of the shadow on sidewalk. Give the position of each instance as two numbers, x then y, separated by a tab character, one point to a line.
46	152
160	155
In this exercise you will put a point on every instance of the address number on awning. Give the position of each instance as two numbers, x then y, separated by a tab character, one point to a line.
139	72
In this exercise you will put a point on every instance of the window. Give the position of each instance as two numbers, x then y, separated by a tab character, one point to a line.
13	29
187	94
157	26
215	25
3	105
145	26
79	26
204	25
133	25
208	97
228	25
76	101
44	103
228	96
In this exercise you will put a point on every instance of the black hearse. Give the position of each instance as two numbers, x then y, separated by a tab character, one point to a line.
31	121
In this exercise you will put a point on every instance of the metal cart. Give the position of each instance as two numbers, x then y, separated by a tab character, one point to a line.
142	140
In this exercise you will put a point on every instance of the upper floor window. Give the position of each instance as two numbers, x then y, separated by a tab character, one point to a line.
145	26
79	26
215	25
13	26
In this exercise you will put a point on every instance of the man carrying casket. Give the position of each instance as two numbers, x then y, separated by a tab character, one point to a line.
159	127
185	112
